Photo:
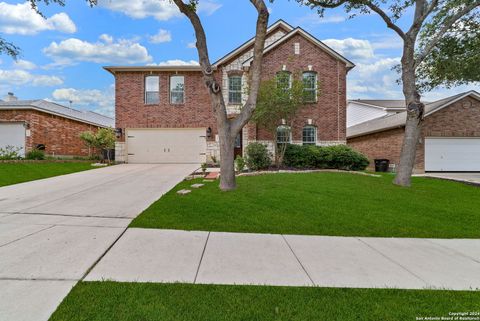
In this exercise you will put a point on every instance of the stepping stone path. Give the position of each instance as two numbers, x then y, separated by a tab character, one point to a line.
183	191
197	185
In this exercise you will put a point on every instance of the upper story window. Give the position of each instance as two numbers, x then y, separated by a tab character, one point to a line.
152	90
284	80
309	135
310	86
235	89
177	89
284	134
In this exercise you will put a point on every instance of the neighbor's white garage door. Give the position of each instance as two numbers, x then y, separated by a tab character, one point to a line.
452	154
182	145
13	134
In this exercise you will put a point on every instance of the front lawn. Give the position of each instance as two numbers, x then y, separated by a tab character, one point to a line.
106	301
322	204
13	173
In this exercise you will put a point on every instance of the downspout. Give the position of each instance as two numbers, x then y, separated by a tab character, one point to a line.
338	102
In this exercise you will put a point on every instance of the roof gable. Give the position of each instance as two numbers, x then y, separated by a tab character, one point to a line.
279	24
312	39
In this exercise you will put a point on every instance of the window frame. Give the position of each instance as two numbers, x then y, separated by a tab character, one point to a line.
310	90
232	92
314	142
284	72
145	94
289	138
171	90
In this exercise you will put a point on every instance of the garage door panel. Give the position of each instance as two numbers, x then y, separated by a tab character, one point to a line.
452	154
13	134
166	145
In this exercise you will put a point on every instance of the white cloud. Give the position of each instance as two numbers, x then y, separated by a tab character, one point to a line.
176	62
107	50
158	9
21	19
24	64
313	19
18	77
192	45
100	101
161	36
355	49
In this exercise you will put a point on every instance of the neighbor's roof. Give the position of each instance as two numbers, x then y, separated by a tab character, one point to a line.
399	120
381	103
114	69
45	106
311	38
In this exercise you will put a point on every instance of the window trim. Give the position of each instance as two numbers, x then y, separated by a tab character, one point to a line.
170	90
315	89
289	141
314	135
230	91
286	72
145	90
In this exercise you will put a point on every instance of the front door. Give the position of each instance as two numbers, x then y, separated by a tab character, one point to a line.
238	145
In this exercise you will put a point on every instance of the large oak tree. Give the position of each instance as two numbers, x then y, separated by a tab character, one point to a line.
228	128
431	22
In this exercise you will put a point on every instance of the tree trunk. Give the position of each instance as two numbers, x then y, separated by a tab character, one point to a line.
227	165
414	121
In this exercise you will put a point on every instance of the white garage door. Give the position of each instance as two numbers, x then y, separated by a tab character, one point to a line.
452	154
13	134
172	145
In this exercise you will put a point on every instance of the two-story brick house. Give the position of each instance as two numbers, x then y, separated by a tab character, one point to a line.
164	115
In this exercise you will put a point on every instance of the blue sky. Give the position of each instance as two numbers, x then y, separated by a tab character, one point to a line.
62	55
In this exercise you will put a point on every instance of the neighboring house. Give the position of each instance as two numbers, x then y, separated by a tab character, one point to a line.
450	138
164	114
362	110
29	124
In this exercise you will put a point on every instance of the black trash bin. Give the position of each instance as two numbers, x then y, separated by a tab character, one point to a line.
108	154
381	165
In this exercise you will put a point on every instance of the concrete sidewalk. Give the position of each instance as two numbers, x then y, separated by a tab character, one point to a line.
52	231
149	255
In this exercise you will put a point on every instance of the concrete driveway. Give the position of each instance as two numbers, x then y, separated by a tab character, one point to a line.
472	178
52	231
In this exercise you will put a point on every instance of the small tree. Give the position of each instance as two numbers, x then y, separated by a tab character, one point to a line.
279	100
102	139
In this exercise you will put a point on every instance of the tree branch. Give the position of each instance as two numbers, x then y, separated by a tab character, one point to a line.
453	19
386	18
204	60
256	67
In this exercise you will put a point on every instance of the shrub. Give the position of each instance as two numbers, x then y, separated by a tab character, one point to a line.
334	157
257	156
240	163
35	154
10	152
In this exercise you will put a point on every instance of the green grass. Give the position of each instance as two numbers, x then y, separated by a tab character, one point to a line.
106	301
14	173
323	204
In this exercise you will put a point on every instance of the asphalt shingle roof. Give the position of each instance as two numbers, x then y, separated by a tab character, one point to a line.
57	109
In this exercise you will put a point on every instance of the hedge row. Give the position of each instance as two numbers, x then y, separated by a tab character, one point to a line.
335	157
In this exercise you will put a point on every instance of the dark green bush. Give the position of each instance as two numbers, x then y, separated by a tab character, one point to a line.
35	154
334	157
257	156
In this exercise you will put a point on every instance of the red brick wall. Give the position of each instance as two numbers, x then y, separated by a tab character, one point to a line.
132	112
60	135
460	119
328	114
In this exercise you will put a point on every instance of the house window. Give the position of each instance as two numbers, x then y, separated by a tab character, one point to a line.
152	90
310	86
309	135
235	89
296	48
177	89
284	134
284	80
